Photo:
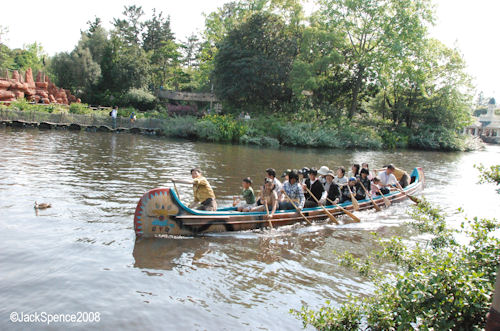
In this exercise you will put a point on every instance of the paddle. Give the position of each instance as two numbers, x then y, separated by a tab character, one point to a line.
355	203
411	197
368	194
386	201
267	212
330	216
348	213
293	204
175	188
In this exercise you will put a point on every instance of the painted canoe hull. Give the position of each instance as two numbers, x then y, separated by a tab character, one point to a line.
160	212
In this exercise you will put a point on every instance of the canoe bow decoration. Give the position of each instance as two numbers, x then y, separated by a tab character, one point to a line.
160	212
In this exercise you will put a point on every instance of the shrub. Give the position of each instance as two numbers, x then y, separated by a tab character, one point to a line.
260	141
180	127
441	285
207	130
440	138
140	99
228	129
79	108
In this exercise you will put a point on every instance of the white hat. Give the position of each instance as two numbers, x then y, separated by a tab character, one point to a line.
323	170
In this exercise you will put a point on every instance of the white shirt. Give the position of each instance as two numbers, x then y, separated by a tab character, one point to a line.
340	181
277	185
113	113
386	179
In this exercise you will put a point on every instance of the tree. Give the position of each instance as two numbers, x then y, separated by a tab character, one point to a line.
254	61
157	32
129	29
374	31
429	87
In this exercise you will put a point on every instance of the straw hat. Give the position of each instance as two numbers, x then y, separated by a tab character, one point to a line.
323	170
330	173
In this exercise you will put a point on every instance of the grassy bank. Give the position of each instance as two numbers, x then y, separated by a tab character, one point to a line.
274	131
301	130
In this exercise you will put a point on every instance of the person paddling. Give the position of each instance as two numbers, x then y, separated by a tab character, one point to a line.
332	190
387	179
293	191
268	197
204	197
314	186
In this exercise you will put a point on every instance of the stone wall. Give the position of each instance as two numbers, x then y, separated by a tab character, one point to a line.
41	91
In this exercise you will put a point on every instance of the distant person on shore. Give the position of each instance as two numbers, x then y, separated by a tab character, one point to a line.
114	114
247	200
204	197
132	118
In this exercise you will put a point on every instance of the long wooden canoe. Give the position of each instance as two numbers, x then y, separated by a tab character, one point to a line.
160	212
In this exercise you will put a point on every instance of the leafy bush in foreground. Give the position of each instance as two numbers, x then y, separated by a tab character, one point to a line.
440	285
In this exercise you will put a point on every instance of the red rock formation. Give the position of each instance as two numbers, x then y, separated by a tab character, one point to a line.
43	89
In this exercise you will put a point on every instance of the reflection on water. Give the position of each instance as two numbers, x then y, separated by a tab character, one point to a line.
81	254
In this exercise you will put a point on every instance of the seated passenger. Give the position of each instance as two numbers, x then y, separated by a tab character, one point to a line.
340	179
322	173
316	188
388	180
303	173
402	177
268	197
355	188
332	190
355	170
294	192
364	165
375	190
271	174
248	197
363	178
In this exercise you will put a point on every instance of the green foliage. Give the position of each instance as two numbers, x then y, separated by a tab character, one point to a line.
222	128
180	127
254	61
440	138
489	175
359	73
442	285
140	99
80	108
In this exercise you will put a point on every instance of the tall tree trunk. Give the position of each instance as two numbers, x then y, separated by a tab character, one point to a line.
355	91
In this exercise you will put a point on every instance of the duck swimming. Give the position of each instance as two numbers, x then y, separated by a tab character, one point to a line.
42	205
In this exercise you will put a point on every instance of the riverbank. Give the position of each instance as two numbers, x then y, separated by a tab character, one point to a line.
267	131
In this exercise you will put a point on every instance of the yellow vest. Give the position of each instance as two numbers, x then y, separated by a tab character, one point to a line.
202	189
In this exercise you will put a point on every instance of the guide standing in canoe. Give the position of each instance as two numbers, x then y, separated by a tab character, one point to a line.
204	197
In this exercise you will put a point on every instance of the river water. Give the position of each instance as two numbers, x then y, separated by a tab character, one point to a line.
81	254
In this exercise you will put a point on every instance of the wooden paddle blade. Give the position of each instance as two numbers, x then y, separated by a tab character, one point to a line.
332	218
377	207
355	203
386	201
414	199
351	215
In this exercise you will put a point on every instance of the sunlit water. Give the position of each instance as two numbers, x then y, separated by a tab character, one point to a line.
81	255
